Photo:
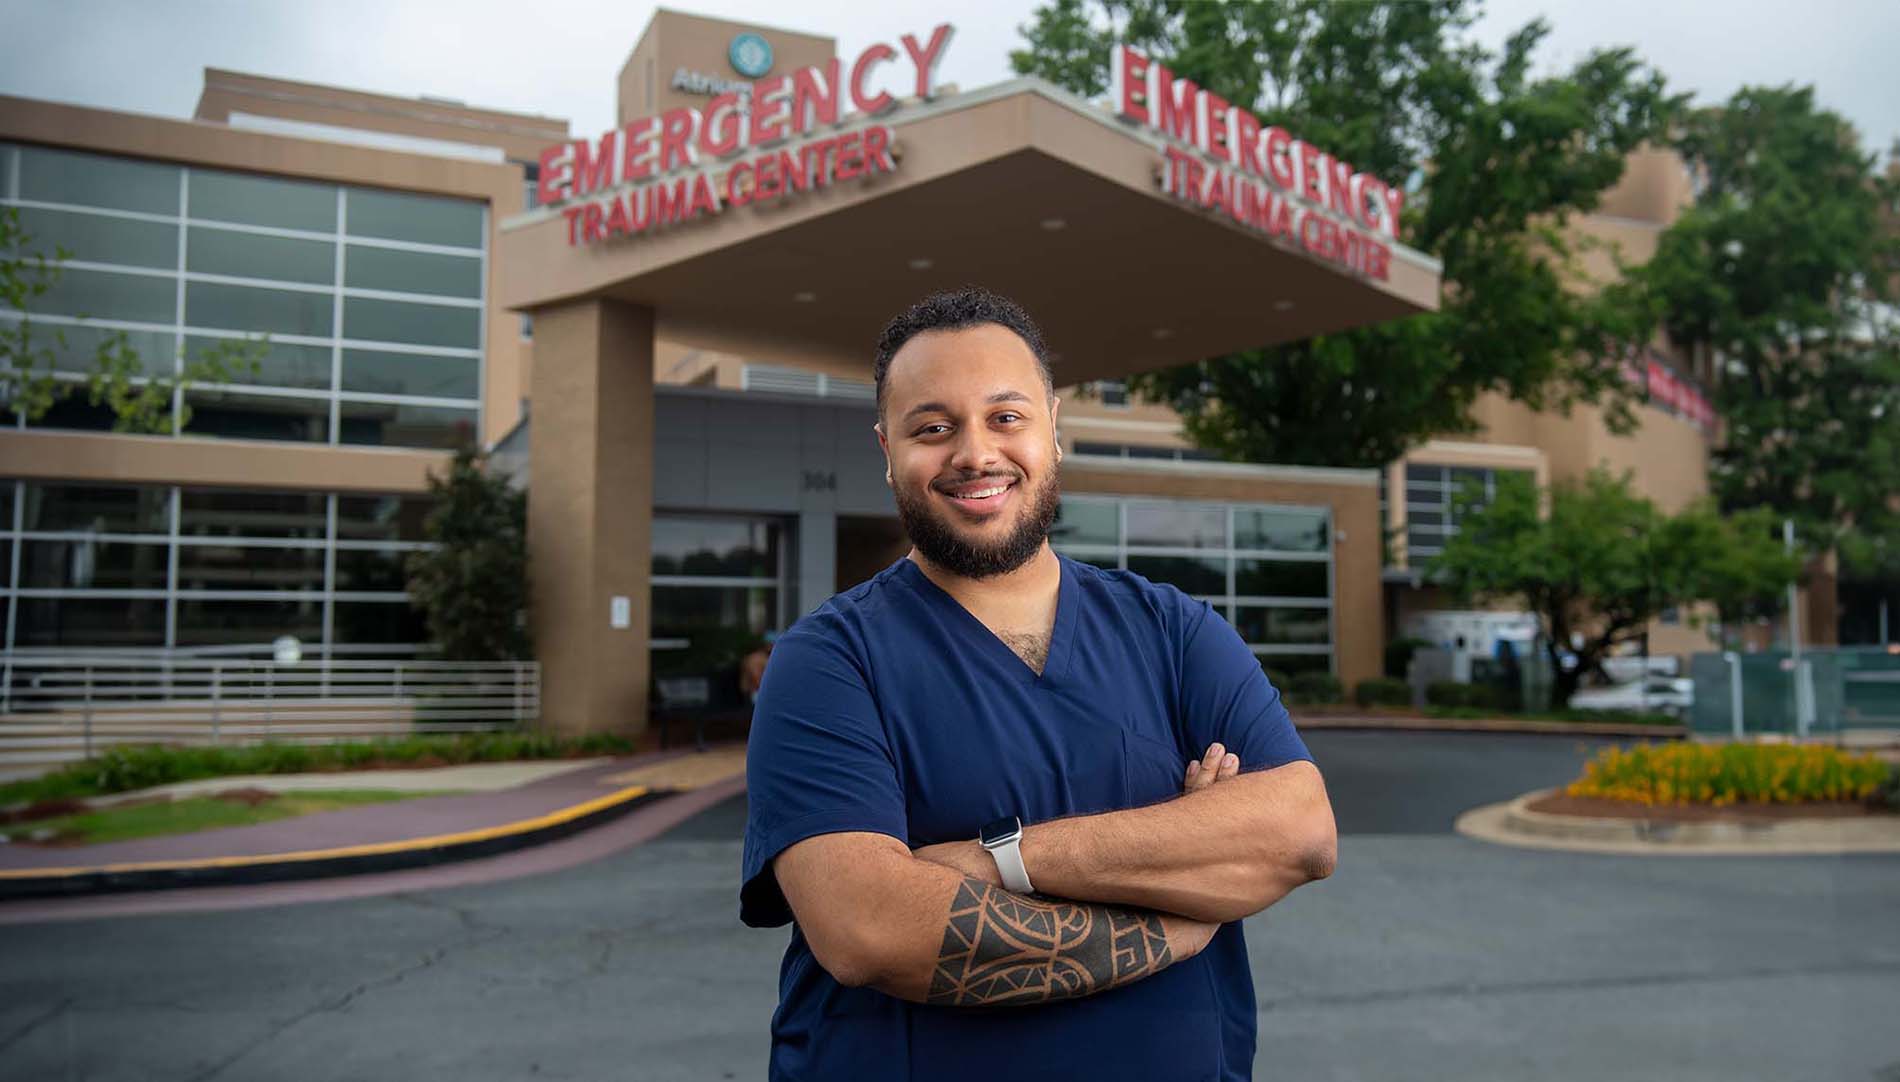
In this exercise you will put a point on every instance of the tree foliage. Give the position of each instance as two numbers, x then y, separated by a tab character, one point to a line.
472	587
1783	273
1603	562
1497	163
37	369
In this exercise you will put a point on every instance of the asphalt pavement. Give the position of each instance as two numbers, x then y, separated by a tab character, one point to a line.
1427	956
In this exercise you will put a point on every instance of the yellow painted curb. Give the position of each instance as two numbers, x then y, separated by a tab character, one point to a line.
524	826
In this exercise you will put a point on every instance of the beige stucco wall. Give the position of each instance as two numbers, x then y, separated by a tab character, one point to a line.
674	39
88	456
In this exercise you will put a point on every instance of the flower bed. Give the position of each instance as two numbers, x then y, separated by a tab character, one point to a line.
1720	775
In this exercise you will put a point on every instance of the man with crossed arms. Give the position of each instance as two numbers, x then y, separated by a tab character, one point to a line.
966	776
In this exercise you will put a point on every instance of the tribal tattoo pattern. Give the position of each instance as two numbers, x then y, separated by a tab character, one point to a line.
1003	948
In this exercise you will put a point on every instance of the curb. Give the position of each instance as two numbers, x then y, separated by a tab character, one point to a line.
322	863
1513	823
1480	725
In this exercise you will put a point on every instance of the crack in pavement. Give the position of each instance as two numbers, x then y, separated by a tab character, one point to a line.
475	933
20	1034
1474	988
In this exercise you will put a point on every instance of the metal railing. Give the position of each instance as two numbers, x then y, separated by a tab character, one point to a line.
58	708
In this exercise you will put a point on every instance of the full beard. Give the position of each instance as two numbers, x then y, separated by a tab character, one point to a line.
938	540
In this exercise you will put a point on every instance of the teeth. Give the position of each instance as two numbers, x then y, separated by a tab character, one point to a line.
984	493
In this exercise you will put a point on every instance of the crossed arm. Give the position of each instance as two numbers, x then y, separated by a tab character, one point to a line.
1135	891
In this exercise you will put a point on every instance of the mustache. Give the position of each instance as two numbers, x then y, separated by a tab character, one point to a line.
963	479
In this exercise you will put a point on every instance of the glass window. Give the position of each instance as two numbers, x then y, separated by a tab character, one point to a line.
96	238
8	152
1175	525
136	298
255	255
248	308
94	180
1192	574
387	424
683	612
93	565
1417	474
1279	666
371	320
369	570
283	364
98	508
234	415
6	504
205	621
1087	522
1107	562
250	200
239	567
412	272
233	512
1286	626
1280	578
76	412
1282	529
423	218
1114	450
381	622
729	547
76	349
89	621
412	374
1418	516
1168	454
381	518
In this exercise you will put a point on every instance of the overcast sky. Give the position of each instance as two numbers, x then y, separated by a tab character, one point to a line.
560	59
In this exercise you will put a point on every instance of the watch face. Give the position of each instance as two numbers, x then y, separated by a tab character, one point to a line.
998	831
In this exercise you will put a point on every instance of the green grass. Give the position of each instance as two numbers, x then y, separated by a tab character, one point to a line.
126	768
129	822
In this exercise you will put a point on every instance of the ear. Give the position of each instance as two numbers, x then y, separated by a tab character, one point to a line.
1055	428
884	444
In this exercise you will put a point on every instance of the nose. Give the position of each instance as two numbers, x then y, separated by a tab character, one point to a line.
976	450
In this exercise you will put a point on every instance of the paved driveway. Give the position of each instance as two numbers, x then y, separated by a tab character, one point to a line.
1428	956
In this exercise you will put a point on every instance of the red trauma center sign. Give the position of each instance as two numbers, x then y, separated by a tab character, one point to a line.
778	110
1257	174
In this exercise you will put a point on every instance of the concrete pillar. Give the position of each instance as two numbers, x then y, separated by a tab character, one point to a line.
590	513
817	558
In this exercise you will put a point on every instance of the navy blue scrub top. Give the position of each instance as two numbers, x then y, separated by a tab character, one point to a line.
892	709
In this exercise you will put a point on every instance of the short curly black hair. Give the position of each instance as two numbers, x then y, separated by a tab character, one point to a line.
954	310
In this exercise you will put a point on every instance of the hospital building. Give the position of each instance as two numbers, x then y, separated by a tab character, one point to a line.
664	331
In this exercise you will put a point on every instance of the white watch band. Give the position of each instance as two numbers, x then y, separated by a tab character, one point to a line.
1009	861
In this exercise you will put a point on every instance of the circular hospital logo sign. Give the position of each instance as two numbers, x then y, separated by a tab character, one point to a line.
751	55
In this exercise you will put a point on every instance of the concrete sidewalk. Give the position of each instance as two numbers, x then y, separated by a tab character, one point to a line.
487	808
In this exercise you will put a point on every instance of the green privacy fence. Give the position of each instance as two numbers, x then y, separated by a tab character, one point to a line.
1848	688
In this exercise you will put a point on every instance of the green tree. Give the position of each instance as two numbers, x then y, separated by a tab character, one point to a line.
472	587
33	378
1780	277
1601	562
1497	163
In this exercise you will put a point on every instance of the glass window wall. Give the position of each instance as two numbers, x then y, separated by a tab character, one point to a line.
157	565
1266	568
387	328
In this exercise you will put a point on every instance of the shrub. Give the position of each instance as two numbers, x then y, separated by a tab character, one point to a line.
1483	697
1382	691
1722	774
124	768
1398	655
1315	687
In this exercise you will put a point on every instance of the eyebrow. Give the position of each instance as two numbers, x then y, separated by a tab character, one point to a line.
939	407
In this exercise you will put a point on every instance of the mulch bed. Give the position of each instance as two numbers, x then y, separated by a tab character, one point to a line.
1603	808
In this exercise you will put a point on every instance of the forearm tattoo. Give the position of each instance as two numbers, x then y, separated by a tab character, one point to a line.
1003	948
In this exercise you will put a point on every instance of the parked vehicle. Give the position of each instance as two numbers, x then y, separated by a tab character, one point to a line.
1655	695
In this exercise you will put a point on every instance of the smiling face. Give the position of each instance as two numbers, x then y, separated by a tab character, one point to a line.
969	432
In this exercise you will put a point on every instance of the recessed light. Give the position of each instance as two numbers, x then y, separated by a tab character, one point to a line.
921	264
1161	332
804	296
1053	224
1283	306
